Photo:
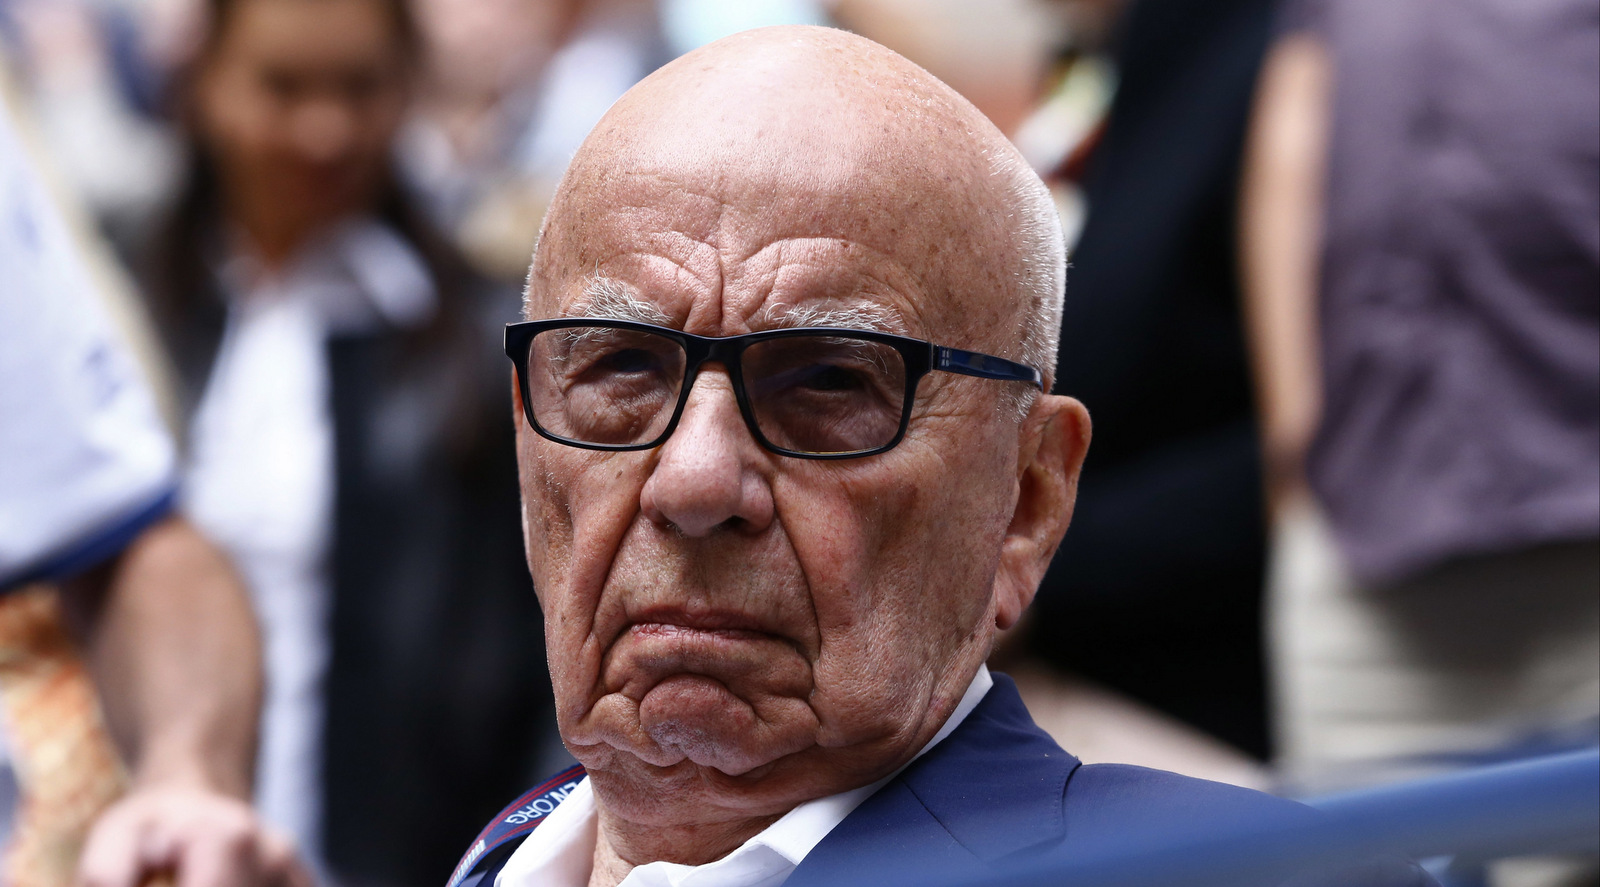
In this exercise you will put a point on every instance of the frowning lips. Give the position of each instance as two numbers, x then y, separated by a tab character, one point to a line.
680	619
728	646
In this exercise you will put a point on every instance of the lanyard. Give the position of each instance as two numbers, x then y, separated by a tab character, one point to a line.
517	820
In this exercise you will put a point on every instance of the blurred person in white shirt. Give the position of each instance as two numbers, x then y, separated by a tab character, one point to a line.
86	497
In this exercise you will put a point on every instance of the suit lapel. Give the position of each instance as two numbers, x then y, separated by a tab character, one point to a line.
992	788
890	834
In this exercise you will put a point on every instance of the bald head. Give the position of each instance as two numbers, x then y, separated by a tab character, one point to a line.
827	136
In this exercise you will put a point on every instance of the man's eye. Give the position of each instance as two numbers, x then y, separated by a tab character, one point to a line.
824	377
629	360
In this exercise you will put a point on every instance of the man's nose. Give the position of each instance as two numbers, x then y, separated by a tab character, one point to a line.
707	475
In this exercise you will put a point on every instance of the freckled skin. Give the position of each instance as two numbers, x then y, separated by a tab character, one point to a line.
840	608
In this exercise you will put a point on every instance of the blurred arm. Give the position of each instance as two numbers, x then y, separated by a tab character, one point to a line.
173	647
1280	213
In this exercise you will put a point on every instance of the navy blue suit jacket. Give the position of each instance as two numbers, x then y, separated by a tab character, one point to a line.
999	789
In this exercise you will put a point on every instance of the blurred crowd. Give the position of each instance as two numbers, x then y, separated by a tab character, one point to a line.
1333	303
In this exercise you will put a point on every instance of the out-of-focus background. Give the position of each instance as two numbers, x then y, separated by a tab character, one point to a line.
1333	304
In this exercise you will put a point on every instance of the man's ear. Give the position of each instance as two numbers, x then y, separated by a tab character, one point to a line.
1055	438
520	438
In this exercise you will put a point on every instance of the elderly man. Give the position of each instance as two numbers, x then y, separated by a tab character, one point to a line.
775	530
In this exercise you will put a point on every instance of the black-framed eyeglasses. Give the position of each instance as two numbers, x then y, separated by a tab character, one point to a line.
814	393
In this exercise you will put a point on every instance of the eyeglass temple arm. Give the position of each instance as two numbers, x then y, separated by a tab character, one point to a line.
984	366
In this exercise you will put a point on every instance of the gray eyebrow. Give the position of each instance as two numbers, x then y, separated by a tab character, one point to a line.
859	316
609	299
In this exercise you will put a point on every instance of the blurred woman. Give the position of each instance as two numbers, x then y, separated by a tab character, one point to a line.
349	440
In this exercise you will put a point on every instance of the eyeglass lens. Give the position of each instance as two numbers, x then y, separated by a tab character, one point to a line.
807	394
816	394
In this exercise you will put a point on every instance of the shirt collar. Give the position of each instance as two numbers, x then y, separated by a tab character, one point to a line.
805	826
560	852
358	274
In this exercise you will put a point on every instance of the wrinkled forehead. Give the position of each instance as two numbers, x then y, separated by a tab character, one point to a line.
728	168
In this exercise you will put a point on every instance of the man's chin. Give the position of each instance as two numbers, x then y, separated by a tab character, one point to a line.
694	722
691	745
697	718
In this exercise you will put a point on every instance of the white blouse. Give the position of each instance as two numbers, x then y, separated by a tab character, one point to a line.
260	476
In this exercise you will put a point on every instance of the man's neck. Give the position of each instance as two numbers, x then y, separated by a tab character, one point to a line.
617	841
609	868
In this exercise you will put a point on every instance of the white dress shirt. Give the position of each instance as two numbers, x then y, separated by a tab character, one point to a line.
560	852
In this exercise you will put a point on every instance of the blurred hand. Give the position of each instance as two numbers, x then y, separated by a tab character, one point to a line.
186	837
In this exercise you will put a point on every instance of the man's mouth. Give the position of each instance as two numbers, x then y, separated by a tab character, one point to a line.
727	646
672	622
668	631
723	687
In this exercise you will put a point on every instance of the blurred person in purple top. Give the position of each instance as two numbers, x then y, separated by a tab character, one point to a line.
1422	255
